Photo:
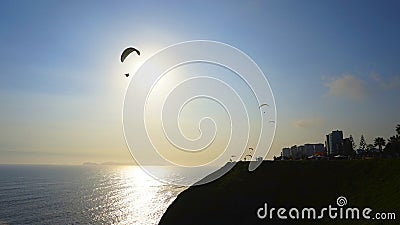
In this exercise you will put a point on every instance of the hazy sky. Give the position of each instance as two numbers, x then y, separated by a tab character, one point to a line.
331	65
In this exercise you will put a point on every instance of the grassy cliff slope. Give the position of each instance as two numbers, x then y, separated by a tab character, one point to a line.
235	198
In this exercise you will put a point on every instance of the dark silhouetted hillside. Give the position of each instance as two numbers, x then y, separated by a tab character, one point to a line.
235	198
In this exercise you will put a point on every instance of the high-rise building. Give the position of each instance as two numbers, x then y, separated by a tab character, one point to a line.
347	147
334	142
327	144
309	149
294	152
319	149
301	151
286	152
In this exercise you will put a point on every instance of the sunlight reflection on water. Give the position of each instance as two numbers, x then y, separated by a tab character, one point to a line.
127	195
83	194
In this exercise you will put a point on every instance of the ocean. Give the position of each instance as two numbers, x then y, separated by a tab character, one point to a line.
32	194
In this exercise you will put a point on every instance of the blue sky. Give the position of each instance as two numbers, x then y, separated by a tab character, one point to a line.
331	65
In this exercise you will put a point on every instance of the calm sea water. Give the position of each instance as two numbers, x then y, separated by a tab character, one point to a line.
82	195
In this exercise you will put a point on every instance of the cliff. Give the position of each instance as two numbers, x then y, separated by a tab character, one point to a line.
236	197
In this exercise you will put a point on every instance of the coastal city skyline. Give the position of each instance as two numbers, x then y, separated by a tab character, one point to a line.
340	147
335	144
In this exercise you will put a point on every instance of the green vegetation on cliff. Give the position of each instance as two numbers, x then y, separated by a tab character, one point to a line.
235	197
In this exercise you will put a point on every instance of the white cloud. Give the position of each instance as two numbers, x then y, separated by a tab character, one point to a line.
347	86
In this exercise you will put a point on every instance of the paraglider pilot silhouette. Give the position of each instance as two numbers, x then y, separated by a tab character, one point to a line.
126	53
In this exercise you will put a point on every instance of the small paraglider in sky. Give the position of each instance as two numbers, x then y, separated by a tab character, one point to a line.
251	150
126	53
264	104
248	157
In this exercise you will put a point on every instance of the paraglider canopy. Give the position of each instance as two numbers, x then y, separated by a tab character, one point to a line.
264	104
245	158
127	52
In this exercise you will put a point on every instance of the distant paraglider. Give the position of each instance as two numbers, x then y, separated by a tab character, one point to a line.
248	157
127	52
251	150
265	104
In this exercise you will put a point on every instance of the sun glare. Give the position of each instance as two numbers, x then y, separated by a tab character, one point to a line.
140	190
